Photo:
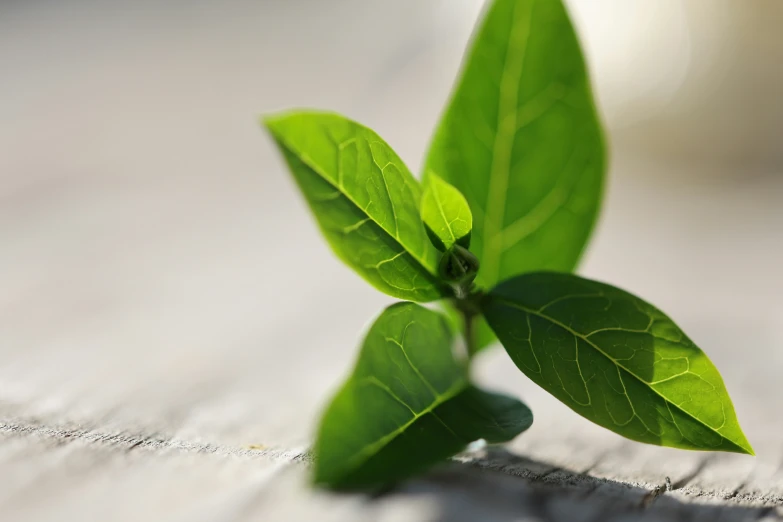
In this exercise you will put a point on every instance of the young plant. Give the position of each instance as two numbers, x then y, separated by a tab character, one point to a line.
511	189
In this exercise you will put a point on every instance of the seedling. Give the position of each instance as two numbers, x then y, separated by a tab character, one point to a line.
511	189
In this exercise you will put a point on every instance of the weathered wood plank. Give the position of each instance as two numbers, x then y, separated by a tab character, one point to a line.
197	478
156	267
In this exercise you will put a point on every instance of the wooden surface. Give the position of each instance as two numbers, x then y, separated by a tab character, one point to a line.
171	323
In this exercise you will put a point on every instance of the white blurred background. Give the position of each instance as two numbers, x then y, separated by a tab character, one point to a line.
158	267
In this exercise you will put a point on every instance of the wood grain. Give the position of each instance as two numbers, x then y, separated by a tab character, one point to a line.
157	264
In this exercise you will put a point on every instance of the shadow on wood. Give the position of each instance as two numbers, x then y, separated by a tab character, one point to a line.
505	487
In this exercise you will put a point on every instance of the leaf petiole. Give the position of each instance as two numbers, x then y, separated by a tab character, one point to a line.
469	309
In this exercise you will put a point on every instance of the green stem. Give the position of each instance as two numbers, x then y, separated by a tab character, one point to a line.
468	307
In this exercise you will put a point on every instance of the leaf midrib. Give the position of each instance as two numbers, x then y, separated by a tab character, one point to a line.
306	160
504	138
615	362
373	448
436	195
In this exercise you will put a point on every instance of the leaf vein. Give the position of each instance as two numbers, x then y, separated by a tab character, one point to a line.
375	446
616	363
500	166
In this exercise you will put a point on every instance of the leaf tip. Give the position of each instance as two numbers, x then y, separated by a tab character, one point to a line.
272	120
742	445
747	449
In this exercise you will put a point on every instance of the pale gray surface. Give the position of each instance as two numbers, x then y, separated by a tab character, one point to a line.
167	302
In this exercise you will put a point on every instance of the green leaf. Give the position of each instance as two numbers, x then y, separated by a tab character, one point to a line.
364	198
446	214
614	359
407	405
521	140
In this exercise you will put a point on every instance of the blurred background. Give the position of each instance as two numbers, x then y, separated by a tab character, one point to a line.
158	268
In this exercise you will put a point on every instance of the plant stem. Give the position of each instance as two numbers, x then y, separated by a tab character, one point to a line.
468	307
